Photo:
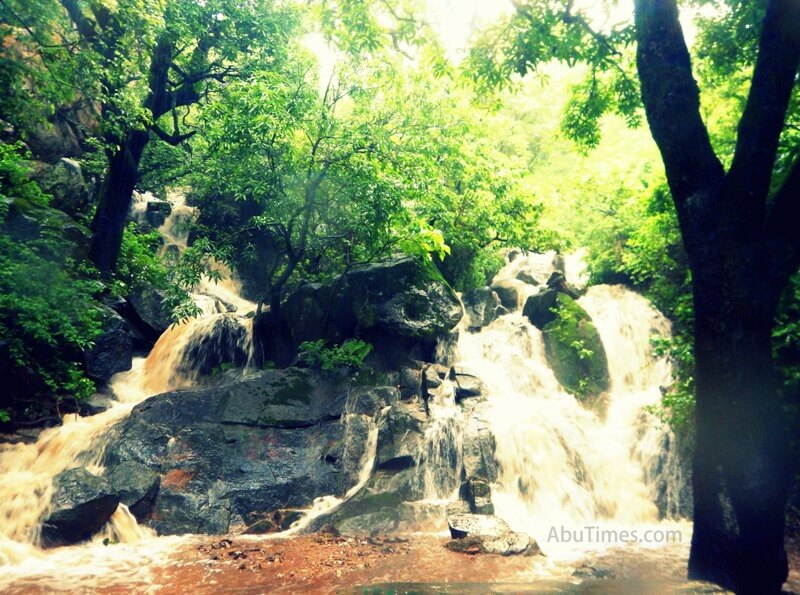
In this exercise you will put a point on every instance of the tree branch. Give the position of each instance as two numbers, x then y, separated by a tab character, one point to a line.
173	139
764	114
672	104
86	28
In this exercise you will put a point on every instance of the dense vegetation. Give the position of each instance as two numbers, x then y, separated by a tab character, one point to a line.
317	136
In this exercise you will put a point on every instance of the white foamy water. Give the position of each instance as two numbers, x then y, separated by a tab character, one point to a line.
28	470
564	464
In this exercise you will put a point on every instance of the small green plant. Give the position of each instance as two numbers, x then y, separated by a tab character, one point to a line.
221	369
351	353
5	416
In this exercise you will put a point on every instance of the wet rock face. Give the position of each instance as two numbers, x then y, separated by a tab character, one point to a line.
136	486
112	351
575	351
482	306
149	304
228	342
509	291
476	533
157	211
539	308
231	455
396	305
82	503
64	181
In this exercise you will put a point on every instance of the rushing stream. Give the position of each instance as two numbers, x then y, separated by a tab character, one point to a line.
563	466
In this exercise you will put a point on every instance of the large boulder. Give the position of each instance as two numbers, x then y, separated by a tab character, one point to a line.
136	486
64	181
481	306
393	304
82	503
478	533
150	306
401	437
234	455
540	307
558	281
467	383
219	342
478	447
27	221
477	492
575	351
533	268
510	292
157	211
112	351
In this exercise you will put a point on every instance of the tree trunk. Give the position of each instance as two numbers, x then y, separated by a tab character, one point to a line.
109	221
740	476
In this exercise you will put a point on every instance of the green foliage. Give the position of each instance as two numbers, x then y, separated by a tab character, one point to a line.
15	170
48	312
383	158
350	354
575	351
141	263
5	416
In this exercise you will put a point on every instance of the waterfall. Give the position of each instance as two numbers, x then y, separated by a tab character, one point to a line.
561	463
564	464
223	332
441	449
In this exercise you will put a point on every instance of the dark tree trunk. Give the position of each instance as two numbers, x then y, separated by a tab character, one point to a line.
742	248
109	221
740	476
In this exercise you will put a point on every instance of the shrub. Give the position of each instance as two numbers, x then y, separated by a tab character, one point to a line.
351	353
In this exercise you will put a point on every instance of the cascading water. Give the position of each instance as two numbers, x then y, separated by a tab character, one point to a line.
176	360
561	464
442	449
564	465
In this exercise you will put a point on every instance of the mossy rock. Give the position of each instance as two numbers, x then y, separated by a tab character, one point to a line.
575	351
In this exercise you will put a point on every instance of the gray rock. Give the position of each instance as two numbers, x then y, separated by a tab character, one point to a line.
230	455
26	221
410	378
509	291
150	305
227	343
539	307
64	181
467	383
157	211
464	524
507	545
400	437
136	486
368	400
477	492
478	449
558	281
82	503
112	351
481	306
394	304
489	534
432	378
